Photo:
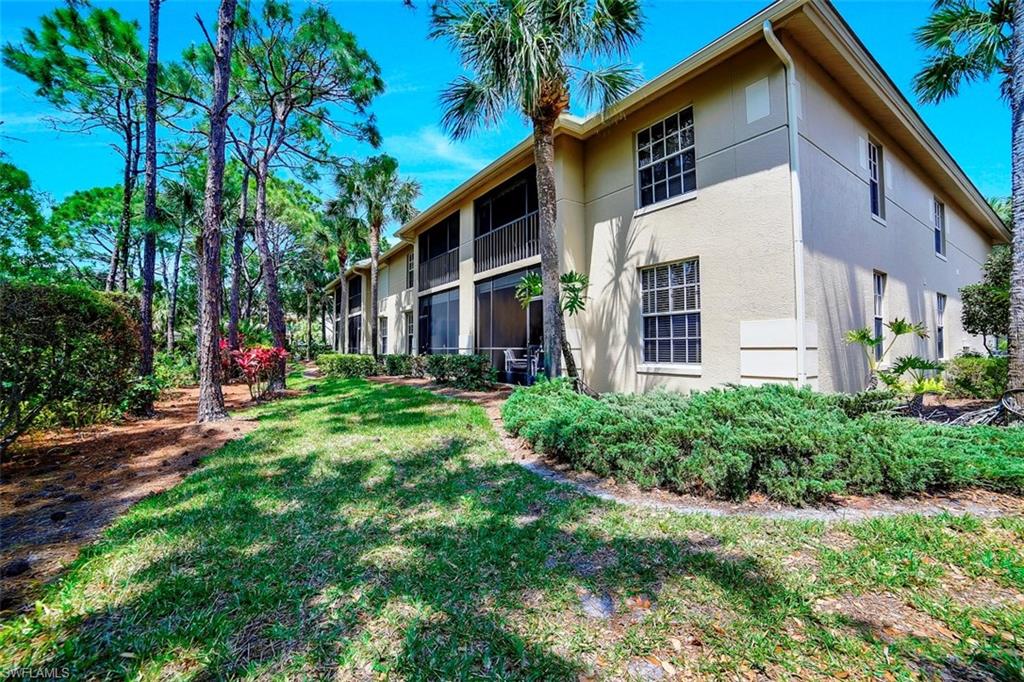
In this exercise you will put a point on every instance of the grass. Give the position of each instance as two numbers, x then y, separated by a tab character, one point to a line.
367	531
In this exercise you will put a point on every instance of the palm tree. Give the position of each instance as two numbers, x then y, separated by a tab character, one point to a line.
968	42
378	194
342	232
528	55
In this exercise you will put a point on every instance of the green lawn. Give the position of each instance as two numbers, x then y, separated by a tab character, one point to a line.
372	531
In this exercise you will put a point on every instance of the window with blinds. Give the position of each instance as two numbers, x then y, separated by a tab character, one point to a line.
671	312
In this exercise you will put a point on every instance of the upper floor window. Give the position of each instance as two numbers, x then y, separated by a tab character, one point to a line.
666	158
939	226
876	181
355	293
410	267
671	312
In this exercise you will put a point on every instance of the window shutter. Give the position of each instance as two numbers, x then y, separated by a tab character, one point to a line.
863	148
888	174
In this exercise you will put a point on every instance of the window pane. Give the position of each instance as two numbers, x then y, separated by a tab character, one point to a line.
675	186
657	132
686	117
647	196
644	156
658	150
671	144
690	181
660	191
671	125
646	177
689	160
659	171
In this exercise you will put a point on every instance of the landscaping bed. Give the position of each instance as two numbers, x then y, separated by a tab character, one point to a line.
792	446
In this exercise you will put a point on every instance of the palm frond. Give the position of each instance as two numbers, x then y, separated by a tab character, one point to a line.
608	85
470	104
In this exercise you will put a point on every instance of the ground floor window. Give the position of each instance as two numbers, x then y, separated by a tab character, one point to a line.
671	312
439	323
409	332
507	332
383	335
878	284
355	333
940	325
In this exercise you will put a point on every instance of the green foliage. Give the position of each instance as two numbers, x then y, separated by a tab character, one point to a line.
471	372
347	365
177	369
866	339
909	374
793	445
397	365
965	43
986	305
974	376
27	243
66	349
865	402
572	290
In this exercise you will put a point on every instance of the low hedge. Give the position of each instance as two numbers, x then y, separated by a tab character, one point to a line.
397	365
793	445
977	376
347	365
470	372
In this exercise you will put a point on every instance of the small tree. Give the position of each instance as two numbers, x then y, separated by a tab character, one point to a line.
572	301
986	305
866	339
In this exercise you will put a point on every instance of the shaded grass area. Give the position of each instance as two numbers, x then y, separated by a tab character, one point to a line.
369	530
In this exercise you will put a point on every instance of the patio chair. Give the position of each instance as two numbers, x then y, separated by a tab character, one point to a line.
514	364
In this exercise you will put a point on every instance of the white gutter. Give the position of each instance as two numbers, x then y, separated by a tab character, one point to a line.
792	95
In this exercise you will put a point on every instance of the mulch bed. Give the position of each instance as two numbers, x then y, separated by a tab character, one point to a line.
61	488
838	508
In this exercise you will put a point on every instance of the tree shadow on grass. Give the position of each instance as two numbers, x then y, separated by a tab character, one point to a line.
363	530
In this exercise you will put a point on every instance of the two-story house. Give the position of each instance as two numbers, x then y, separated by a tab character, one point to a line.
736	216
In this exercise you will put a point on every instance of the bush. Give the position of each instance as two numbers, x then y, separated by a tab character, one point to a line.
418	365
470	372
976	376
176	369
347	365
793	445
66	350
257	365
866	402
397	365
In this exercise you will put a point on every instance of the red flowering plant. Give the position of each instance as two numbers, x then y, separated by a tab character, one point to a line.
256	364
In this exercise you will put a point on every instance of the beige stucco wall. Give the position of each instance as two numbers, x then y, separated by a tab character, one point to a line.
844	244
738	223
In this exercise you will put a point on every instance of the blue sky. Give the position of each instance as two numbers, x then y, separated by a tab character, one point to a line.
974	127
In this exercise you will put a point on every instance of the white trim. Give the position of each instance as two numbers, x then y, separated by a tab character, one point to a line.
665	203
670	369
880	221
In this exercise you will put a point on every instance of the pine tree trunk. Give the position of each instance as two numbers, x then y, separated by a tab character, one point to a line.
1016	336
149	241
309	324
236	264
374	294
544	158
275	313
211	399
124	227
172	307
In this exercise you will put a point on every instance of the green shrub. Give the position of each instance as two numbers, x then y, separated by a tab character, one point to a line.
793	445
471	372
347	365
397	365
866	402
67	353
418	365
976	376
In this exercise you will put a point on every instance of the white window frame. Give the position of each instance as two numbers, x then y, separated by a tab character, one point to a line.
940	325
410	270
670	298
650	146
879	283
382	321
876	179
939	227
409	318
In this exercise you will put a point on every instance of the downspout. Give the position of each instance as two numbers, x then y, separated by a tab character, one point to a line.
792	95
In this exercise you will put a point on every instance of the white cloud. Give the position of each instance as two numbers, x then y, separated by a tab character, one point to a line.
29	122
429	148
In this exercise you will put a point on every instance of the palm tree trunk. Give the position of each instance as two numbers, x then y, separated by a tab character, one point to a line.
554	328
236	263
149	242
342	339
1016	336
374	258
211	399
275	313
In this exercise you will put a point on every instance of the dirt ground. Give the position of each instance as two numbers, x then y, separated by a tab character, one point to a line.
62	488
837	508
